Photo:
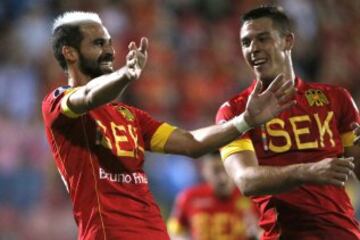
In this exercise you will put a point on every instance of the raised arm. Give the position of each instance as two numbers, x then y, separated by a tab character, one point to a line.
107	87
261	106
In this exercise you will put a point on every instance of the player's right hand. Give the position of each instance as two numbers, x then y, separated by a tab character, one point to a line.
334	171
137	57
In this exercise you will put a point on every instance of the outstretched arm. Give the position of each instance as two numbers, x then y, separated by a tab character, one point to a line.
107	87
261	106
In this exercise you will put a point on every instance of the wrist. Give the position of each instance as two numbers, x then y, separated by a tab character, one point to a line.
240	123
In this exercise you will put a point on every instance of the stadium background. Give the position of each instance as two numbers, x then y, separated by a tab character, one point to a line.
195	63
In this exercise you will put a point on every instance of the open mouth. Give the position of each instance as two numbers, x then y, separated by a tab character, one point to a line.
258	62
106	63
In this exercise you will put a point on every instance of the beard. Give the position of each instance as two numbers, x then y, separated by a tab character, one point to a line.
92	67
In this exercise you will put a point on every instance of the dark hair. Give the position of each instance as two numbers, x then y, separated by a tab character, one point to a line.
65	35
275	13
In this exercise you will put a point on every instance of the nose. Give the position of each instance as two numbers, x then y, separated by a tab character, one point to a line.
109	49
254	46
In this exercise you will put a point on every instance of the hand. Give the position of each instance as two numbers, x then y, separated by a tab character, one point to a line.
335	171
356	129
263	106
136	58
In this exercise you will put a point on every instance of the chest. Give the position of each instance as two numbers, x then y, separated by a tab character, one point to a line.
118	131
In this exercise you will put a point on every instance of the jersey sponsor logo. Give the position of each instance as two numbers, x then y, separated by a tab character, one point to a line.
316	97
126	113
303	134
130	178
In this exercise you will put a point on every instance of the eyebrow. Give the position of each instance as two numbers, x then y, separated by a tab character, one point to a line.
261	34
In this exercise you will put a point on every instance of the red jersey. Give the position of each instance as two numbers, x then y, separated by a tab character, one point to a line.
198	211
318	126
100	157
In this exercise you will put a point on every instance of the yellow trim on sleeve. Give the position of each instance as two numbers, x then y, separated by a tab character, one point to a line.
160	137
64	106
236	146
174	227
347	139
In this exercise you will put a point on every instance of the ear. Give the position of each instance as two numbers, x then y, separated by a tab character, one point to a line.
70	54
289	41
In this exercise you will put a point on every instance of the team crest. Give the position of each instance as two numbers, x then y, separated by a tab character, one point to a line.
126	113
316	97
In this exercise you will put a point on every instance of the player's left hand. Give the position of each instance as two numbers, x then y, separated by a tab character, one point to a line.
263	106
137	57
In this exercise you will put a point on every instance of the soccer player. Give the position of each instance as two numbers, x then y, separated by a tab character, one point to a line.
214	209
99	145
295	165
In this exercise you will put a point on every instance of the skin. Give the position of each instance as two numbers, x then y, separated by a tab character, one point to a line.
267	52
90	69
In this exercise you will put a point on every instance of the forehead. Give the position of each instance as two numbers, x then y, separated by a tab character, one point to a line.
256	26
94	30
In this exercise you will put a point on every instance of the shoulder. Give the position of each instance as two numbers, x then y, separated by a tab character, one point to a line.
57	92
233	106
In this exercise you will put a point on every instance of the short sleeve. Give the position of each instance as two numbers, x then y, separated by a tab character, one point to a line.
348	113
243	143
54	107
178	222
154	133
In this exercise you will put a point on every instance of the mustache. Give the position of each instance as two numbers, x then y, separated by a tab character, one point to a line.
106	57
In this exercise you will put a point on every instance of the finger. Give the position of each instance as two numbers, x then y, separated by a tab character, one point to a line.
130	55
285	106
258	87
336	182
287	97
276	83
131	63
341	176
286	87
132	45
346	163
357	140
144	44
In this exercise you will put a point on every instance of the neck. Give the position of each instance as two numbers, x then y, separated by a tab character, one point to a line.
77	78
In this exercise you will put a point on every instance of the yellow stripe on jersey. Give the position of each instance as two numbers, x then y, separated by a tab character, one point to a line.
174	227
64	104
236	146
160	137
347	139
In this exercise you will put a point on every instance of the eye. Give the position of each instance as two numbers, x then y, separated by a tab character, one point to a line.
245	42
99	42
263	38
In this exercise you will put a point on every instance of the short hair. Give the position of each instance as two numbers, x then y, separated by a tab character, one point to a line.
275	13
66	32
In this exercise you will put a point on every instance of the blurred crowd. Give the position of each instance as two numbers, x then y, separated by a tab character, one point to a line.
195	64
